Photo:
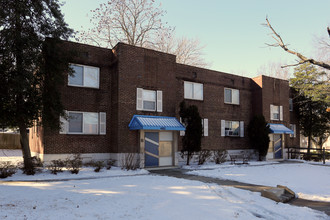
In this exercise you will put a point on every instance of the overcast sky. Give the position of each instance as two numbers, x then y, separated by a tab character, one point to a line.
231	31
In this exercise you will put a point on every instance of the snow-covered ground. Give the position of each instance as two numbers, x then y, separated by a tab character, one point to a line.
119	194
309	180
139	197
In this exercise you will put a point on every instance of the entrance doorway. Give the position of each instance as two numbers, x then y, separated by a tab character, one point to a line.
158	149
278	146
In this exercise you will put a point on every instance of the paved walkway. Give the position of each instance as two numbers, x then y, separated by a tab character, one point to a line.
181	173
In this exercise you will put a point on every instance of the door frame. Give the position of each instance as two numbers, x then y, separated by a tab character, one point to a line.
142	146
271	149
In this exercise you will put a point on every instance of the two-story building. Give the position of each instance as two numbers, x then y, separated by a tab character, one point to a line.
126	100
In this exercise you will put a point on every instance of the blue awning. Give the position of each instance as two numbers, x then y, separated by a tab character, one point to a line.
279	129
147	122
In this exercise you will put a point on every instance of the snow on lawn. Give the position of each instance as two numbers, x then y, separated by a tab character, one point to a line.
140	197
308	181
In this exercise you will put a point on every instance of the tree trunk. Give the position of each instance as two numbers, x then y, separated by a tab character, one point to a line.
28	165
309	145
188	157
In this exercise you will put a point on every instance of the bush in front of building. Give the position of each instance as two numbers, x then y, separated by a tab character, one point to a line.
203	156
74	163
56	166
258	132
129	162
110	163
219	156
7	169
97	165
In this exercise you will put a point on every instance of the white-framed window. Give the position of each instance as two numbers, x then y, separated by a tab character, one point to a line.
276	112
84	76
149	100
205	127
290	105
83	123
231	96
293	128
232	128
193	90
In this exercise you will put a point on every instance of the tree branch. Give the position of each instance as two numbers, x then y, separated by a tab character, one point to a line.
303	59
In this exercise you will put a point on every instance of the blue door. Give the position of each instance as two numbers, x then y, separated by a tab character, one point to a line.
278	146
151	149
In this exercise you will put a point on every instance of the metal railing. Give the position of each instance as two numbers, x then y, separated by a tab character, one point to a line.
321	154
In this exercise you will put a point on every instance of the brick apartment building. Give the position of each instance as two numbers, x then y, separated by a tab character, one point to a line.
126	100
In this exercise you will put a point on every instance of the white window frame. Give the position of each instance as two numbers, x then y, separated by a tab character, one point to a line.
277	108
148	100
233	91
192	95
158	100
84	78
293	128
205	127
229	133
100	124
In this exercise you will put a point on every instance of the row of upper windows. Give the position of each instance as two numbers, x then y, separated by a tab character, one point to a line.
195	91
148	100
88	76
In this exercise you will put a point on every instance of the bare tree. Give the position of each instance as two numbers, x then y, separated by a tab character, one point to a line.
130	21
274	69
321	45
189	51
302	58
138	22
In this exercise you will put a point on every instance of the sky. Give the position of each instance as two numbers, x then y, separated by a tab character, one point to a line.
231	31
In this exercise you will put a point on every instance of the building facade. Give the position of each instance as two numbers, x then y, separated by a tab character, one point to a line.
126	100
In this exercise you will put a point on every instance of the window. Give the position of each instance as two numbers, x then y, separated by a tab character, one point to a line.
276	112
232	96
84	123
293	128
75	122
232	128
193	90
290	105
205	127
149	100
84	76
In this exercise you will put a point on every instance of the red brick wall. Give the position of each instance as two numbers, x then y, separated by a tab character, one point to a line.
147	69
126	68
140	68
277	92
86	100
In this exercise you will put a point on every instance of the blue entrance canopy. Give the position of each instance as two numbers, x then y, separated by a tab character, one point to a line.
148	122
279	129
